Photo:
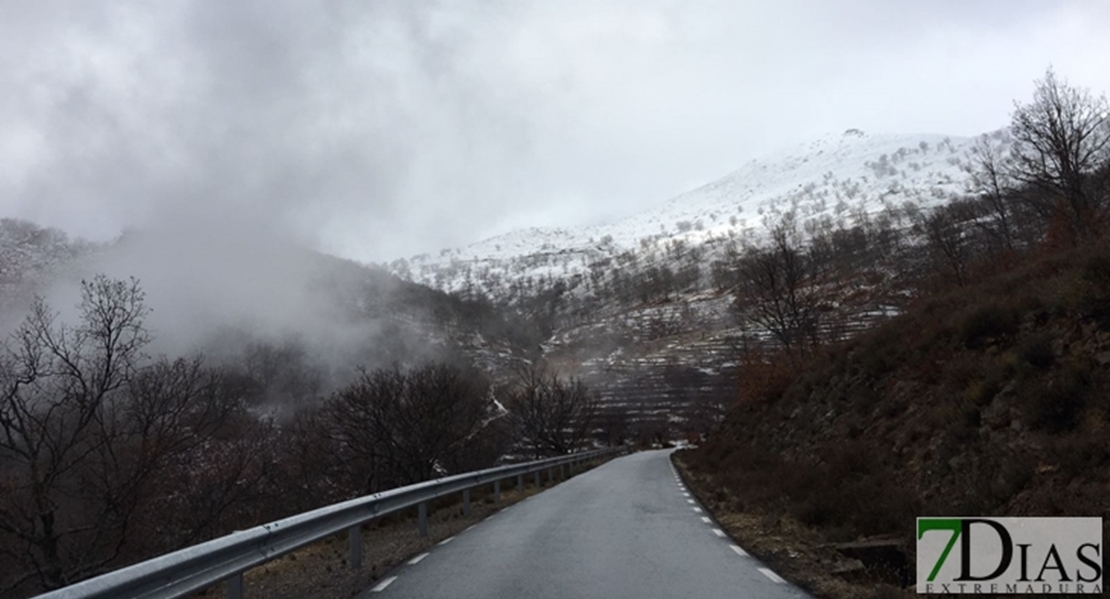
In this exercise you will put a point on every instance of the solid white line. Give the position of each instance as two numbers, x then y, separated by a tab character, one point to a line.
738	550
697	509
774	577
689	501
381	585
416	560
469	527
718	532
447	540
706	519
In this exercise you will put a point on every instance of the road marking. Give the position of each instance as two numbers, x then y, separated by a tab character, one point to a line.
706	519
738	550
381	585
697	509
416	560
689	501
469	527
446	541
718	532
684	493
774	577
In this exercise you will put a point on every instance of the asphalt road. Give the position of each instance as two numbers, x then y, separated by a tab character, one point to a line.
625	529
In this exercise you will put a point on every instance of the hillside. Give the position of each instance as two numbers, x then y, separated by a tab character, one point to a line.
990	400
834	178
234	300
642	308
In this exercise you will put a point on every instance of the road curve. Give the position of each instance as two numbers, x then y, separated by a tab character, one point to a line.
628	528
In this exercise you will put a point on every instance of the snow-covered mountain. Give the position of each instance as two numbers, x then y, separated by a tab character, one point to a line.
642	308
835	178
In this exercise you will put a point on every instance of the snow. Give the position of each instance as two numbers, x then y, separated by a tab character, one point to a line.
834	178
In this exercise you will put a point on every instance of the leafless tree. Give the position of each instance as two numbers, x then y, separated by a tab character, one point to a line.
948	242
1061	139
401	427
85	428
990	180
778	289
552	415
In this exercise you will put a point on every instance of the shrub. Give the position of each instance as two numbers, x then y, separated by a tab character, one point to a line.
1037	351
988	322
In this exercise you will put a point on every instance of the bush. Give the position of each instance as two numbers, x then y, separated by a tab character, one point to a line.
1056	405
986	323
1037	351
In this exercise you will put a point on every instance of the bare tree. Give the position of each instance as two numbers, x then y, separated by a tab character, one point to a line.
778	289
949	245
990	180
84	429
1062	138
552	415
400	427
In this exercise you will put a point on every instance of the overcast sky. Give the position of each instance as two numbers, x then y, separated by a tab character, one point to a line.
376	129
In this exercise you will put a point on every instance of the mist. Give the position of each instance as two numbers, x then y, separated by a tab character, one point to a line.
214	146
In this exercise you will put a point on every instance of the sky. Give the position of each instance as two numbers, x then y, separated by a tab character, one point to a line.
377	129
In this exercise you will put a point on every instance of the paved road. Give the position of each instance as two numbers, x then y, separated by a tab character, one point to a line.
625	529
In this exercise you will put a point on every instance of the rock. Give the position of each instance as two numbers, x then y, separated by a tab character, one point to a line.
1103	358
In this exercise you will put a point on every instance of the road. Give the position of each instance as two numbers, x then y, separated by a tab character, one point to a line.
628	528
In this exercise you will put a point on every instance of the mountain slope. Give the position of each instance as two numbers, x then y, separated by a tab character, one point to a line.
833	178
642	308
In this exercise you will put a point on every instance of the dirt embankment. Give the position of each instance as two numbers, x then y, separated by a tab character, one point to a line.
991	399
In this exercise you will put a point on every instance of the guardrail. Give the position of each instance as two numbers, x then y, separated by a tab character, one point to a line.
199	567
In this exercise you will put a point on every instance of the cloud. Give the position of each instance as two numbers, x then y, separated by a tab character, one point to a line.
382	129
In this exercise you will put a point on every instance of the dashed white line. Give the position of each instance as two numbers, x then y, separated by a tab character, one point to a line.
718	532
769	574
706	519
697	509
383	584
689	501
685	494
416	560
738	550
446	541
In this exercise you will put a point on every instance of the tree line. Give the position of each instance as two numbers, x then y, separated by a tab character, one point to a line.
109	455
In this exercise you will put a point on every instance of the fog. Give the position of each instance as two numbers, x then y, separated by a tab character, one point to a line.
223	136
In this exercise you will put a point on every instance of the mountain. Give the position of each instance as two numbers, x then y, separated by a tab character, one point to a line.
642	308
273	308
832	178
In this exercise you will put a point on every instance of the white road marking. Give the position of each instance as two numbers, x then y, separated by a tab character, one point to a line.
774	577
689	501
416	560
447	540
697	509
706	519
684	493
738	550
381	585
718	532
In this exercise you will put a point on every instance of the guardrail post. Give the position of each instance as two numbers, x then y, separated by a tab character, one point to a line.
536	475
235	587
422	518
520	483
354	546
497	491
466	502
550	475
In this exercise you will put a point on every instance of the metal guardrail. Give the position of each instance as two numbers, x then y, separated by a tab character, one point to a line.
199	567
